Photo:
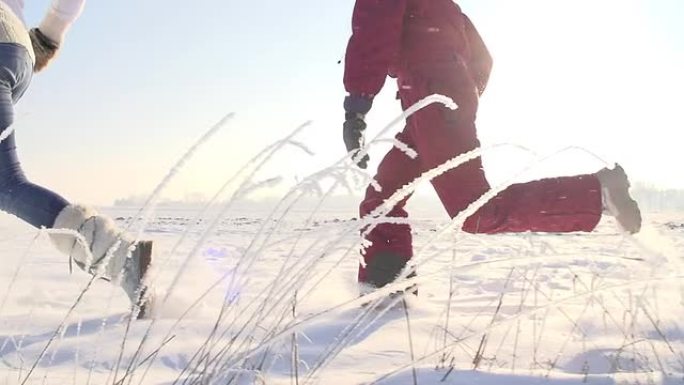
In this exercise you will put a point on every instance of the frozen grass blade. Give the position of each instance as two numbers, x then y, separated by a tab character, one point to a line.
57	332
13	280
483	342
410	340
421	107
295	346
262	159
150	203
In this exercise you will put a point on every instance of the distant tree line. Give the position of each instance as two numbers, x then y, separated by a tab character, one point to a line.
654	199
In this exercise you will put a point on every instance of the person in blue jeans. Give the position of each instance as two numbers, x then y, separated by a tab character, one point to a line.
107	252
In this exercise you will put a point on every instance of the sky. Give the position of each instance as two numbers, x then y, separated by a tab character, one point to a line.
138	82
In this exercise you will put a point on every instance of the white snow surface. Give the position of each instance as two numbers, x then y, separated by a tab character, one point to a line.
270	297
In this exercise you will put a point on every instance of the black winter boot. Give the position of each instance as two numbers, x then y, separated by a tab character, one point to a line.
385	267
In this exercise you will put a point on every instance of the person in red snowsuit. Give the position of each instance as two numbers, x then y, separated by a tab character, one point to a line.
432	47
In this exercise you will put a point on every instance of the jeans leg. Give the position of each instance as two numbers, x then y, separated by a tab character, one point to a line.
32	203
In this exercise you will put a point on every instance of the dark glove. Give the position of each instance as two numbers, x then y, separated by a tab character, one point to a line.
44	49
356	108
352	131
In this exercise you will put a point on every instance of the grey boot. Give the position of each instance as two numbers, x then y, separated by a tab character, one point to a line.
133	281
616	199
109	252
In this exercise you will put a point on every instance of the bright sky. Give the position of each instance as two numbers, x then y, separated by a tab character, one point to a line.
139	81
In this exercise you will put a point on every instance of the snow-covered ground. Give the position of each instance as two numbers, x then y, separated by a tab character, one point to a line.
270	298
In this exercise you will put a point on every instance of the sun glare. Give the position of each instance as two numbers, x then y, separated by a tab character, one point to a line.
569	73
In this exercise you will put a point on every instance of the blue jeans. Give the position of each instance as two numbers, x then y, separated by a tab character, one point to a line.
32	203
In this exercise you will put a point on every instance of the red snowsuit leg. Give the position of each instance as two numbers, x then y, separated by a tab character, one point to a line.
438	134
394	171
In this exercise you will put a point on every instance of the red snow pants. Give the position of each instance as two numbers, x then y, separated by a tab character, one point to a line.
437	134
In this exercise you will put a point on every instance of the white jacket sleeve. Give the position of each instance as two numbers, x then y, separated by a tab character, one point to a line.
60	16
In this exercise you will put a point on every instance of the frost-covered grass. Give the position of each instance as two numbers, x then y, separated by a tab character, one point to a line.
532	308
255	294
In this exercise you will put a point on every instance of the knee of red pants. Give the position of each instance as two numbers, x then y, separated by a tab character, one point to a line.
487	220
461	186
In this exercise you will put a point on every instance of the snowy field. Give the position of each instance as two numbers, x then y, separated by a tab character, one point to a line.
269	297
